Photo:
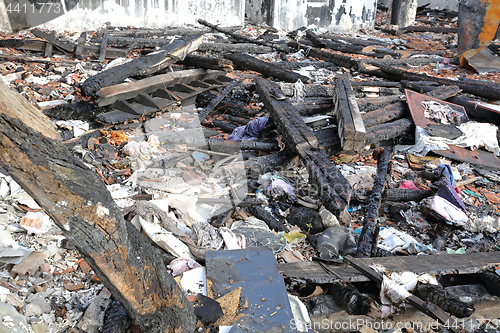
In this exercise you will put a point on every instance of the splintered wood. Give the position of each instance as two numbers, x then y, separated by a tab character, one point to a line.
352	131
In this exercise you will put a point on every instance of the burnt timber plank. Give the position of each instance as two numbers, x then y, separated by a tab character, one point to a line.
64	47
266	68
80	204
104	46
109	95
15	106
351	128
334	189
437	264
80	44
145	65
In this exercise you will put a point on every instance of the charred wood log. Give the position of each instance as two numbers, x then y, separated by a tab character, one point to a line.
387	131
230	146
400	109
335	190
65	47
337	59
369	231
79	110
263	214
486	89
145	65
116	319
368	104
248	62
491	281
214	102
437	294
263	164
195	60
244	38
438	30
239	120
236	48
80	204
314	106
224	125
375	84
315	39
349	298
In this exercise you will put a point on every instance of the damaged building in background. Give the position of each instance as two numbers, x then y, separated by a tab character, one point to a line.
258	166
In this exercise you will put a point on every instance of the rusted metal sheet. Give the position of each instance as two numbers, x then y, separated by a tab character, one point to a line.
415	100
479	157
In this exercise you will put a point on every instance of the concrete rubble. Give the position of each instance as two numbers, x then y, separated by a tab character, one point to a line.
309	155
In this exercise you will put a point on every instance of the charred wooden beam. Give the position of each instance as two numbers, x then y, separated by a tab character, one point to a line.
238	120
334	189
349	298
140	66
236	48
214	102
369	231
388	131
16	106
491	281
65	47
80	204
368	104
263	214
315	39
437	294
399	109
310	90
337	59
351	128
438	30
195	60
262	164
314	106
486	89
123	91
224	125
233	146
244	38
248	62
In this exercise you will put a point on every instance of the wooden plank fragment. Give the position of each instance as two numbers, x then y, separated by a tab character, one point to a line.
351	128
15	106
145	65
80	44
437	264
64	47
80	204
104	46
109	95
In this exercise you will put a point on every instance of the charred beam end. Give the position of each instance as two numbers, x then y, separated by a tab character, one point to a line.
369	231
486	89
349	298
491	281
437	295
352	132
144	65
337	59
268	69
335	191
79	203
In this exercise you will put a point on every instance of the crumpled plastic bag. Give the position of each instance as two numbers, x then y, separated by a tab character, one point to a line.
279	188
250	131
180	265
392	240
396	287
